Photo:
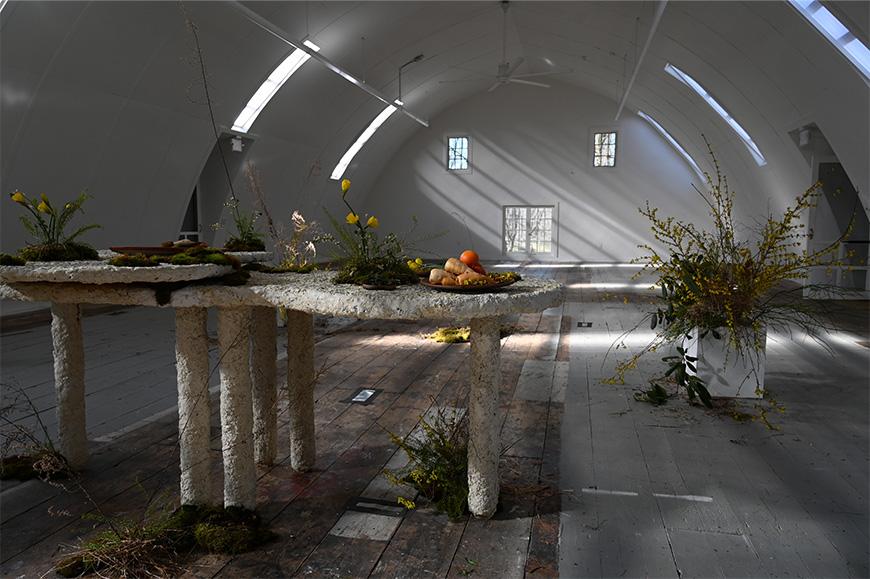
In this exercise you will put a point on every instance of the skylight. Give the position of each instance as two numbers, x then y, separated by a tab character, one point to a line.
837	34
720	110
271	85
673	143
361	140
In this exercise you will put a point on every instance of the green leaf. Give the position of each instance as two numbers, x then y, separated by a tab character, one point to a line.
653	322
79	231
716	334
704	395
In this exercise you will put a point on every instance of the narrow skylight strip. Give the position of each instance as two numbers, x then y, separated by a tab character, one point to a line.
358	144
836	32
720	110
270	86
673	143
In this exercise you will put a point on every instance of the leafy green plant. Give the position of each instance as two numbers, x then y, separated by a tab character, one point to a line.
438	461
47	225
135	260
715	283
366	258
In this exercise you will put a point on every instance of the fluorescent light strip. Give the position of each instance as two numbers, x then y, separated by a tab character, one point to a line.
270	86
720	110
837	34
2	5
673	143
358	144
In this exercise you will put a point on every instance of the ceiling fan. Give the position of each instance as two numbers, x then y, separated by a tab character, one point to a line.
507	69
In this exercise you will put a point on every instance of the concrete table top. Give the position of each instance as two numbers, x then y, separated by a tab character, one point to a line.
313	293
100	272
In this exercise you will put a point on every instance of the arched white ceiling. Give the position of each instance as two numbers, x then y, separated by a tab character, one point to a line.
105	96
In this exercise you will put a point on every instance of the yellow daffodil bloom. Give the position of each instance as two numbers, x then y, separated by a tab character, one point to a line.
43	207
345	185
19	197
44	198
373	222
352	218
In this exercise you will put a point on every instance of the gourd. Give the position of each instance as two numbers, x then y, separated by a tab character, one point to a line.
455	266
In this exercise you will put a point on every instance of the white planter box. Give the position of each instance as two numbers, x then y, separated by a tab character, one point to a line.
726	373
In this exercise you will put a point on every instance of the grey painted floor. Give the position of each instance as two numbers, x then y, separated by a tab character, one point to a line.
676	491
672	491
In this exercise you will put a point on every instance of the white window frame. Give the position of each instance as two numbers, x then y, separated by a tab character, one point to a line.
554	231
615	147
447	152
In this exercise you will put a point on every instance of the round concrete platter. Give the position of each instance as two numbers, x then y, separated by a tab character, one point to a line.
98	272
251	256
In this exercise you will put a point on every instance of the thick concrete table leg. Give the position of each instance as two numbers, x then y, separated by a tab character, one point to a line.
300	388
483	444
69	382
264	379
240	475
194	405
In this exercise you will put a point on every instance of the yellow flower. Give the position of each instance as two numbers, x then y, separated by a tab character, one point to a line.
44	198
345	185
352	218
43	207
68	206
19	197
373	222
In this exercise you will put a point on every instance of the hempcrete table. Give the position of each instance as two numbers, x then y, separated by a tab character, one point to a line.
249	377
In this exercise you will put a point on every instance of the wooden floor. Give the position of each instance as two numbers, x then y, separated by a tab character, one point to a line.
594	484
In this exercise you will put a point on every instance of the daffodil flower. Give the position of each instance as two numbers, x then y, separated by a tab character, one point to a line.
19	197
43	207
372	222
345	185
352	218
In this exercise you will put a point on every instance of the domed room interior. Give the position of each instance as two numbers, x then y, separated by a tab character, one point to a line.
497	289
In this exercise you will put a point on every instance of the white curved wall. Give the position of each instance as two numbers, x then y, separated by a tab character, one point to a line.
96	95
533	146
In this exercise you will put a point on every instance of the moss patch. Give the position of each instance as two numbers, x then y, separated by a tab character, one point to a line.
460	335
6	259
45	465
155	548
244	244
263	268
136	260
69	251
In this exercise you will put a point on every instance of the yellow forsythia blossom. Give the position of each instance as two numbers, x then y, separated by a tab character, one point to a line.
373	222
352	218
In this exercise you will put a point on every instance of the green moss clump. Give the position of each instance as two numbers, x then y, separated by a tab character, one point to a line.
460	335
152	548
6	259
44	464
383	270
263	268
183	259
244	244
136	260
450	335
69	251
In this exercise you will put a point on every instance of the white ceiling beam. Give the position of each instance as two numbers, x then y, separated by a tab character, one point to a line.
284	37
660	9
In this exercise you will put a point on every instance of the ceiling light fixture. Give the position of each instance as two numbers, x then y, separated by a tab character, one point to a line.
673	143
837	34
361	140
271	85
720	110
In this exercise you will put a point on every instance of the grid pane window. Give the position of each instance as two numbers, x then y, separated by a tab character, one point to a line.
605	150
457	153
528	230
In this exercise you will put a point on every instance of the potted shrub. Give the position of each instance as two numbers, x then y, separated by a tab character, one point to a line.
721	294
47	225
